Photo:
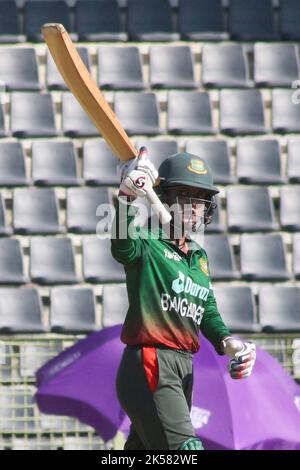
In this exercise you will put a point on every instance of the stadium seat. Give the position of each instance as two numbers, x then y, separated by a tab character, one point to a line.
216	154
252	21
54	163
250	209
296	256
10	29
54	79
4	229
263	258
17	410
158	150
75	122
19	68
225	66
189	112
36	211
120	68
72	310
289	208
289	20
98	21
242	112
83	443
114	305
11	262
21	311
32	115
3	132
12	164
98	264
216	226
276	65
279	309
52	260
88	210
6	367
294	160
237	306
285	113
171	67
258	161
33	356
201	20
138	112
34	444
221	259
99	163
39	12
150	20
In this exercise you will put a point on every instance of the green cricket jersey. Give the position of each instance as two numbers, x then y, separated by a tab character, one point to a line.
170	293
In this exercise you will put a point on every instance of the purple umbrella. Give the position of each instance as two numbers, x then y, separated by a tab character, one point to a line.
261	412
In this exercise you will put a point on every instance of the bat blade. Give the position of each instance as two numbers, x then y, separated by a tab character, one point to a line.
86	91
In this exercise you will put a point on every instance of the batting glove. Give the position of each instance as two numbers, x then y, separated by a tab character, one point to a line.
242	357
137	175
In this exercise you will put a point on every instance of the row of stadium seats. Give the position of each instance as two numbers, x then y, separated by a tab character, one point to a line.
55	163
189	112
74	311
222	65
90	210
263	257
153	20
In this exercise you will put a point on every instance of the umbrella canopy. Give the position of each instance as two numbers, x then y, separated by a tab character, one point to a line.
261	412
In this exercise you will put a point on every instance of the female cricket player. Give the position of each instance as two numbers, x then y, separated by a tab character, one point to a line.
171	299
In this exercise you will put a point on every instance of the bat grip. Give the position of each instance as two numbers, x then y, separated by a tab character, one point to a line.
159	209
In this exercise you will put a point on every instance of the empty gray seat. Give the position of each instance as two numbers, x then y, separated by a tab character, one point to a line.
99	163
21	311
289	20
289	208
242	112
172	67
19	68
189	112
12	164
279	309
285	113
52	260
33	356
114	305
32	115
35	211
236	305
6	367
138	112
10	28
158	150
216	154
250	210
4	229
275	64
53	77
99	21
201	20
75	121
98	264
296	255
54	163
11	262
221	258
294	160
150	20
258	161
38	12
252	21
17	410
88	210
263	258
72	310
120	68
3	132
225	65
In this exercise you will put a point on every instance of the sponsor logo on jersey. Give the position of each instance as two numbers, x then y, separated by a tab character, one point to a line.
203	265
174	256
185	284
197	165
199	417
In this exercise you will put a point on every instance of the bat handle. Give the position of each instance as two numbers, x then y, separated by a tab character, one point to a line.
158	207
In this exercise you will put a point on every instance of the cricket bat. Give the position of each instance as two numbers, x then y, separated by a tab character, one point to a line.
87	93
